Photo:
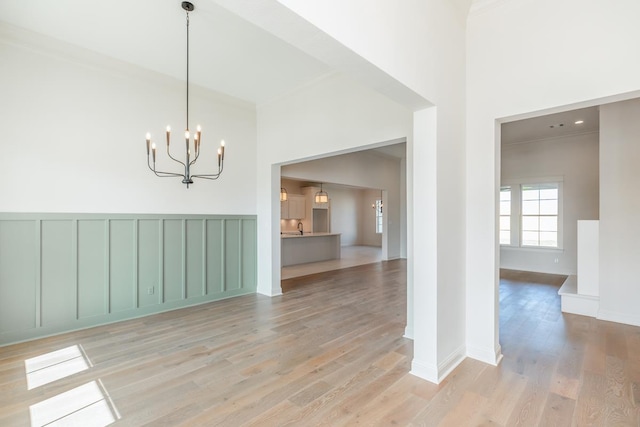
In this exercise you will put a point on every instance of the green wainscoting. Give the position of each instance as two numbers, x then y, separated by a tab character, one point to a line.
61	272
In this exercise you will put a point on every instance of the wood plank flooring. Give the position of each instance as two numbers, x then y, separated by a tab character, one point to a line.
328	352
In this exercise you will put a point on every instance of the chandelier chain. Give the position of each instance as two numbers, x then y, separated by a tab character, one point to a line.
187	70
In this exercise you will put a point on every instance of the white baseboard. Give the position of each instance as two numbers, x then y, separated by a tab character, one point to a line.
486	355
408	332
580	304
450	363
426	371
624	318
277	291
575	303
436	374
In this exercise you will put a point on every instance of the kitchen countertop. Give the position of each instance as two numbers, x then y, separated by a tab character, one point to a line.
294	235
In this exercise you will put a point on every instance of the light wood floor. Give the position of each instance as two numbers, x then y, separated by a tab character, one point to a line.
351	256
330	352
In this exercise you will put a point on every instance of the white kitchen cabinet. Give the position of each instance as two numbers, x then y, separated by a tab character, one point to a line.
294	207
297	206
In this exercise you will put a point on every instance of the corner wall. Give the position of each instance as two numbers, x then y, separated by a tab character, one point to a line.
619	207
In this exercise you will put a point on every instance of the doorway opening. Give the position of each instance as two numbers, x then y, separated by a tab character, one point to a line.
549	169
358	184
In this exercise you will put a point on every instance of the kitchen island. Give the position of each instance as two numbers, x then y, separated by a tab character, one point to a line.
309	247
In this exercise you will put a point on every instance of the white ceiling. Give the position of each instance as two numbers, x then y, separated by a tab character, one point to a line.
227	54
551	126
398	151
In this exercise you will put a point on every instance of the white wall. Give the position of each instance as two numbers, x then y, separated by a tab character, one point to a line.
525	57
575	160
619	207
72	135
346	214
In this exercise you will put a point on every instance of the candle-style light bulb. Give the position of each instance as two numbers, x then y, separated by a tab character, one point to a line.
221	151
219	156
168	134
148	135
196	141
153	150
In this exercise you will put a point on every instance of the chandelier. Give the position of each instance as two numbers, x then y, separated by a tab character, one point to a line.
190	156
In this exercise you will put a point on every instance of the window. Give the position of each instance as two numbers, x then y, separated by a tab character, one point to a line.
540	215
531	213
378	208
505	215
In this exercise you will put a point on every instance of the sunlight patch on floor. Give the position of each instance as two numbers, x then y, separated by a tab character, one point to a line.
82	406
55	365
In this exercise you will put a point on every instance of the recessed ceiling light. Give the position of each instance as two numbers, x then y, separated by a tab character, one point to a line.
579	122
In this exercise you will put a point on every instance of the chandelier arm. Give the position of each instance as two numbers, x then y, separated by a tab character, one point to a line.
210	176
174	159
168	174
165	174
196	158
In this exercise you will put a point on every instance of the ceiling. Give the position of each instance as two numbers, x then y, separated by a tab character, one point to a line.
551	126
227	53
398	151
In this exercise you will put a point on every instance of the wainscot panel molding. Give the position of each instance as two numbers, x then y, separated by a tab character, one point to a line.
62	272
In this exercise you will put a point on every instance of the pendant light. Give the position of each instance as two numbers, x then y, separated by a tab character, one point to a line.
321	196
283	194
